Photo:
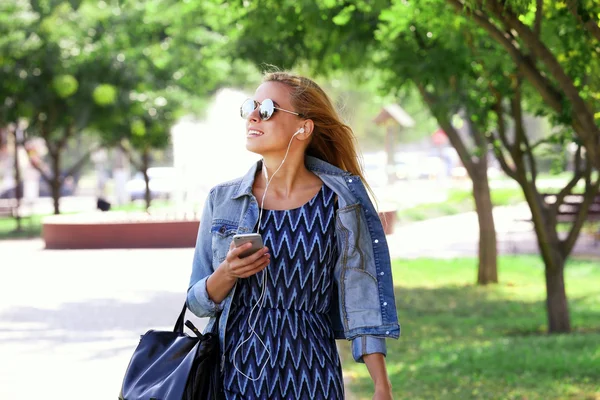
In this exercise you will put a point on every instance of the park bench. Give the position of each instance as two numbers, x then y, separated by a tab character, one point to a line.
9	208
571	207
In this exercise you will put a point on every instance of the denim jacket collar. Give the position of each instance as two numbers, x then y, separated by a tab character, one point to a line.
313	164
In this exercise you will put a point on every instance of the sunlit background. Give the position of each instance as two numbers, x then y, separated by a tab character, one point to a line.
477	125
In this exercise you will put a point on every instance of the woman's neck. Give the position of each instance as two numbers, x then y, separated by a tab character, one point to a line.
293	173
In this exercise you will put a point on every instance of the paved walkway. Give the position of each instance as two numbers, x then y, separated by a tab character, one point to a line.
458	235
69	320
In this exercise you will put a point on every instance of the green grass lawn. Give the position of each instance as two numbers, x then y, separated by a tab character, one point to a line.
30	228
33	227
460	341
458	201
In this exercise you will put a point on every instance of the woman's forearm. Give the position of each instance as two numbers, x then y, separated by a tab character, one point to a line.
218	285
376	365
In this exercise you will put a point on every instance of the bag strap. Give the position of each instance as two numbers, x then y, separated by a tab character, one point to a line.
179	324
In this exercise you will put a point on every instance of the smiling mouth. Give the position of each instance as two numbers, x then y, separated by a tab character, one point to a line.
253	133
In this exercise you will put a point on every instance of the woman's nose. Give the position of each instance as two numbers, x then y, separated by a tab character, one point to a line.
254	115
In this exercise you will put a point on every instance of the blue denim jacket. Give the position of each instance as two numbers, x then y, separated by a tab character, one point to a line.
364	309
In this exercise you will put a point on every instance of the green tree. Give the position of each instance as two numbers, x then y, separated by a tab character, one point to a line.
462	65
12	41
58	78
140	126
66	62
555	46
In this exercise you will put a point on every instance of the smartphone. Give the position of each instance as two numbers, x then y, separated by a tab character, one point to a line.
254	238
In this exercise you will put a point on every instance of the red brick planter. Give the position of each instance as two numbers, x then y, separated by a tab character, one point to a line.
110	231
99	232
388	220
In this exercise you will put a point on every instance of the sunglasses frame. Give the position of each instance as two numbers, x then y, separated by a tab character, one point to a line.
258	104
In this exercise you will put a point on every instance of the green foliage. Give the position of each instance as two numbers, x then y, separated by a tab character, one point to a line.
65	85
460	341
105	95
97	68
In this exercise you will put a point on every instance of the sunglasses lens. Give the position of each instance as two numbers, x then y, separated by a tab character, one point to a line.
266	109
247	108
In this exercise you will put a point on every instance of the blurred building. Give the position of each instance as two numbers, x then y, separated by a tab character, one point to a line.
394	119
210	151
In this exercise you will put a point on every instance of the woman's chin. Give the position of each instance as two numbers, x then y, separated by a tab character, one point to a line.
254	147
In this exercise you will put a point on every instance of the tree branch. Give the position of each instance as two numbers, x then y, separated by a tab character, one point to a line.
521	140
502	160
452	134
502	138
581	111
584	17
35	164
79	164
132	160
539	13
541	142
511	148
523	62
63	141
577	175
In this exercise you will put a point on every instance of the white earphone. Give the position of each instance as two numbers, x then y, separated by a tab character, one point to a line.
260	301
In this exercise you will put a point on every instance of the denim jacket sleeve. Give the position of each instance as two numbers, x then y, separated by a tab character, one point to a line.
363	345
197	297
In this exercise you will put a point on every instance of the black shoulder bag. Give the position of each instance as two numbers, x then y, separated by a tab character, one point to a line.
172	365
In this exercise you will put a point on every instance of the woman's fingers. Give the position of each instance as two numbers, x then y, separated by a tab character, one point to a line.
240	262
247	266
234	252
254	268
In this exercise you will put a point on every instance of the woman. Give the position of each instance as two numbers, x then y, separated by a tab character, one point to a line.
325	263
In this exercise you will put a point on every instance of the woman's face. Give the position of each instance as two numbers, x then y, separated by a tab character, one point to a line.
274	134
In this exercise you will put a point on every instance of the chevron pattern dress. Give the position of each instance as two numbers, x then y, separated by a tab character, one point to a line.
293	323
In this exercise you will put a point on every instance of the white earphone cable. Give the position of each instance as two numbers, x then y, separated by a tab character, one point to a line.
264	280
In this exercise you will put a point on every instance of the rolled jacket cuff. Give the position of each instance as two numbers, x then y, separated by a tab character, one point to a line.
363	345
199	301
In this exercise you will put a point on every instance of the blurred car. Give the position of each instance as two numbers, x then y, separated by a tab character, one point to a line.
68	188
375	169
161	183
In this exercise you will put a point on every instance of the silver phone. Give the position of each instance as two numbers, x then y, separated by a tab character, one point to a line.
254	238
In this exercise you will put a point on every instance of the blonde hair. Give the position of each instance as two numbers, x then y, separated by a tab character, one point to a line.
332	140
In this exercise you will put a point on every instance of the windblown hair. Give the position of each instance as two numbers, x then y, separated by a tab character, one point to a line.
332	140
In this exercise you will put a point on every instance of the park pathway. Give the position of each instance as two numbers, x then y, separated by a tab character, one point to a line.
69	320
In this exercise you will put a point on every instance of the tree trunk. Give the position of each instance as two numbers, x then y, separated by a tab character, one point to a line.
56	182
488	252
556	298
554	263
477	171
145	164
18	183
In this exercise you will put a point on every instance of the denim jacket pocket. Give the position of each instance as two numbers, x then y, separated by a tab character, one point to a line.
222	234
360	297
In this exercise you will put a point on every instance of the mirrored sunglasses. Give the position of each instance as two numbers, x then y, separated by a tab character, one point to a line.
265	109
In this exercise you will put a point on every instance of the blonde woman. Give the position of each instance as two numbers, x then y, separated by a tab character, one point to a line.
324	271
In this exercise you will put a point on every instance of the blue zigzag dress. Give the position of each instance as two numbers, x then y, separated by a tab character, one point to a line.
293	323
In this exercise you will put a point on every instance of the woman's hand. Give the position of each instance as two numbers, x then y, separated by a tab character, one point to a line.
235	267
220	282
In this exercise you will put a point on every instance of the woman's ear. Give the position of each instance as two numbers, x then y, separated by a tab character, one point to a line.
308	126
